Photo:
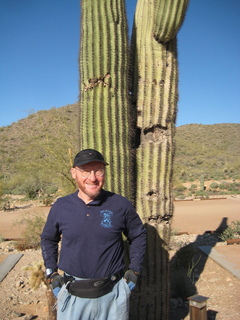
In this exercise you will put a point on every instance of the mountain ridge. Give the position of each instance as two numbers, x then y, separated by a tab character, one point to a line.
39	149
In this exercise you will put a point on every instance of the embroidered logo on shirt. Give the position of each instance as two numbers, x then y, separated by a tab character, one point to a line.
107	218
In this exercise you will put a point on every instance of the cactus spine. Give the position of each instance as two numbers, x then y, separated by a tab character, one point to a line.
104	104
155	92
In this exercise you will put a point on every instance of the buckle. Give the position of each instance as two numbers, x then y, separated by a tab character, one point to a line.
98	283
113	277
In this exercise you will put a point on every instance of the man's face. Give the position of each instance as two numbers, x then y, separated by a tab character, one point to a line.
89	186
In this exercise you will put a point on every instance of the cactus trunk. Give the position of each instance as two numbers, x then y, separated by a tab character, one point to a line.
155	92
104	104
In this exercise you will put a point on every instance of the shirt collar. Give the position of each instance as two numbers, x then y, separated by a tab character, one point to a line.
96	201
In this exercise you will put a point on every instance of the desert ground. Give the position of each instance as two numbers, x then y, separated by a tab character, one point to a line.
194	220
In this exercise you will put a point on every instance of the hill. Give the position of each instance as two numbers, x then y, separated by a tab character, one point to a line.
208	150
207	159
36	153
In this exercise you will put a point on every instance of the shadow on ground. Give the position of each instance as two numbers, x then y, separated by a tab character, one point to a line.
186	267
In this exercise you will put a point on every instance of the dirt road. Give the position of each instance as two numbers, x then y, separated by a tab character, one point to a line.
194	217
200	216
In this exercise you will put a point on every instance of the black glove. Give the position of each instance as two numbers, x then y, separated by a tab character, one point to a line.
56	282
131	277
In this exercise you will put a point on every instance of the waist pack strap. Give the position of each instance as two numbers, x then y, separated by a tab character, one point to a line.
91	288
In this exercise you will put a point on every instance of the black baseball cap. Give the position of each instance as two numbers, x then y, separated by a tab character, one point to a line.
88	155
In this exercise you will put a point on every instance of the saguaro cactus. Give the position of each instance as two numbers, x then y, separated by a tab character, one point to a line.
155	92
106	120
104	104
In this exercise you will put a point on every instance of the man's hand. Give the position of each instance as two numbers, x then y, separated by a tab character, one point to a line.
56	281
131	277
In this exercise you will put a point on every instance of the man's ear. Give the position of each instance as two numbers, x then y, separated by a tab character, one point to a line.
73	172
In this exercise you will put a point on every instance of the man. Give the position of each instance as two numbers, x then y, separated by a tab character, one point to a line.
90	223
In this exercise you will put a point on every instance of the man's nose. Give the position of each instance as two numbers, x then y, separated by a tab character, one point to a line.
92	175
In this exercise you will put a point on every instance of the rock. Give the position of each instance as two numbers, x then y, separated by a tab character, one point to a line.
19	314
20	283
29	317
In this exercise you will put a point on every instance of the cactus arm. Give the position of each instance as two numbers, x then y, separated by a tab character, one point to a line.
169	16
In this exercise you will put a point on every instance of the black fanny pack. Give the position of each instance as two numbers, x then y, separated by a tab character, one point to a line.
91	288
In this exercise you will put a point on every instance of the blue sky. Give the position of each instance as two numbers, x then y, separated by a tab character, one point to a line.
39	51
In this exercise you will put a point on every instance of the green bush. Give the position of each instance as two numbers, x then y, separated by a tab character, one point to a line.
203	194
234	187
178	191
223	185
33	228
214	185
232	231
50	189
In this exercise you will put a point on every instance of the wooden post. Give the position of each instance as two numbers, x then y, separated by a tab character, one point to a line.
198	307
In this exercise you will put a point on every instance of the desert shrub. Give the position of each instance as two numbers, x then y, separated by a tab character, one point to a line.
234	187
203	194
199	162
193	186
180	188
37	275
2	239
223	185
230	187
47	201
232	231
51	189
32	188
214	185
31	235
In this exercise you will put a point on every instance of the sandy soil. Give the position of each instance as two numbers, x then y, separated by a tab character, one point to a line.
9	226
193	217
199	216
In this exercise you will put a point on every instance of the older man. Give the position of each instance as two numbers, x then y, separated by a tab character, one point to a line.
90	223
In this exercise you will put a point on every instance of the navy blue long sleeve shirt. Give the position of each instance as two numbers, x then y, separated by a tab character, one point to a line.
91	236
